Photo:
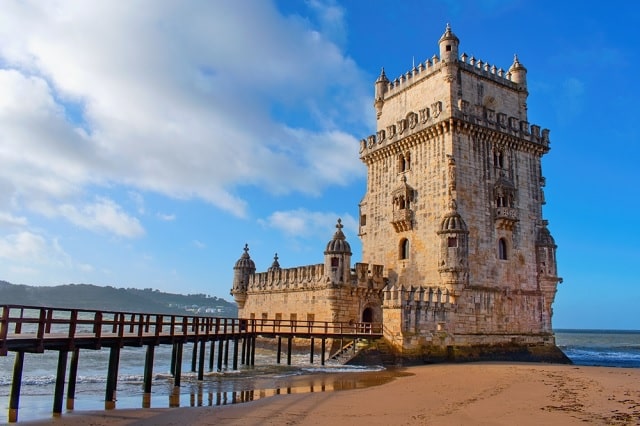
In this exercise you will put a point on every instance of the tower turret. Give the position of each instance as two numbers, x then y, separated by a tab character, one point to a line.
518	73
380	89
454	250
448	46
243	269
337	258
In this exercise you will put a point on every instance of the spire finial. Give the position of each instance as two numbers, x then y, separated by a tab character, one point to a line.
339	224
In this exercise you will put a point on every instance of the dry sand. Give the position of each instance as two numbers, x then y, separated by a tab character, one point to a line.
444	394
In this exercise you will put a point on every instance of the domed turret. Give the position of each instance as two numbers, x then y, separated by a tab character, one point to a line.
380	89
454	249
337	258
449	45
243	269
518	73
339	244
275	265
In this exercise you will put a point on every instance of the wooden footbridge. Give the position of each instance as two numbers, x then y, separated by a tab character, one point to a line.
35	329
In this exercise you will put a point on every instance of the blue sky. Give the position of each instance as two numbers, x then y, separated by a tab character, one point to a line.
143	144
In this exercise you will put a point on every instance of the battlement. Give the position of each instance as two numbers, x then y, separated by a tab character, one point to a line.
434	64
402	297
313	277
301	277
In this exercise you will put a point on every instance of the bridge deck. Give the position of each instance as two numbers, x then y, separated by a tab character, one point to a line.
36	329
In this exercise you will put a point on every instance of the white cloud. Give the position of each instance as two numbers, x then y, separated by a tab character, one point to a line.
166	217
302	223
29	249
104	214
7	219
172	99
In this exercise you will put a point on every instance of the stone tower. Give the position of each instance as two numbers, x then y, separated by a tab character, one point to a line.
453	207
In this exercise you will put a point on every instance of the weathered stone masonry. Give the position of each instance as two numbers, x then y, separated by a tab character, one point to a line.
457	253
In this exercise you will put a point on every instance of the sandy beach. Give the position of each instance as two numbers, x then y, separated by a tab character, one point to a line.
444	394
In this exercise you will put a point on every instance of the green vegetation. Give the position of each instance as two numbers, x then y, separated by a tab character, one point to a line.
88	296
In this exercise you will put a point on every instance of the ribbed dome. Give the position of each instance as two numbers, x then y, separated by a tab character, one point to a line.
339	242
245	261
452	221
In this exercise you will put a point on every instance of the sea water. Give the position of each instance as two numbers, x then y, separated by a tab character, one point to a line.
223	387
606	348
266	378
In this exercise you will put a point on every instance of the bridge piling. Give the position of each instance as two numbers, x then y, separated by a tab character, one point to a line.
194	356
220	353
235	352
203	348
112	378
323	350
211	354
14	398
58	394
73	375
289	341
279	353
311	352
226	352
148	376
253	350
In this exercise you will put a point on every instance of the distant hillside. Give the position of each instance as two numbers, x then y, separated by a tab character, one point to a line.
88	296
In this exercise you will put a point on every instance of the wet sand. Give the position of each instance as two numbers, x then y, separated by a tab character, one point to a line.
443	394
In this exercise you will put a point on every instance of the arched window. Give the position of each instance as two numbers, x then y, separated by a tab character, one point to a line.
404	248
502	249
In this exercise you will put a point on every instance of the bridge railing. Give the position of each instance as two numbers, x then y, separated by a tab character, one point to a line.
18	322
37	324
327	328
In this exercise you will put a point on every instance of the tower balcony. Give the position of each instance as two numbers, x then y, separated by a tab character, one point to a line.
505	217
402	220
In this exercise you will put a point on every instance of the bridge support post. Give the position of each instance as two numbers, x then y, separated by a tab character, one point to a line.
253	350
73	375
14	399
244	349
323	349
112	378
279	349
226	352
235	353
289	340
178	366
220	353
172	367
211	354
148	376
311	352
203	348
58	394
194	356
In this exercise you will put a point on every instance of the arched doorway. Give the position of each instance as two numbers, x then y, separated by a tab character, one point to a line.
367	315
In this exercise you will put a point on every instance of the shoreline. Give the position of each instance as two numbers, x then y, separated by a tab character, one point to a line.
488	393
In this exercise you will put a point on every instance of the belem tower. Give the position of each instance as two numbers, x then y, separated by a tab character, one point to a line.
458	261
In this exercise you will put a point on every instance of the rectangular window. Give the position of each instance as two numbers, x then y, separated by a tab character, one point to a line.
453	241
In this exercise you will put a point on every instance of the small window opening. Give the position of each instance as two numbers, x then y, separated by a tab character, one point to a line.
452	242
502	249
448	48
404	249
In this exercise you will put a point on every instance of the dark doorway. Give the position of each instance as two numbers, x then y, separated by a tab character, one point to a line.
367	315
